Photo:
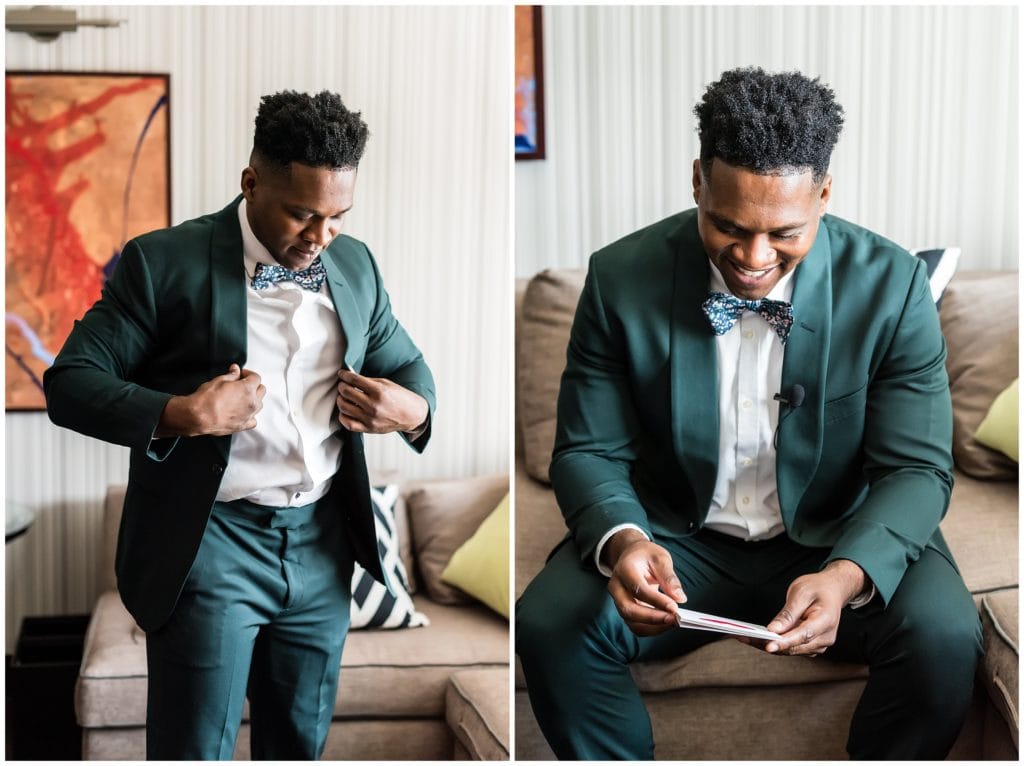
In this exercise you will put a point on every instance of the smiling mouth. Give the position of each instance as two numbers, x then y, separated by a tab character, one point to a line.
753	274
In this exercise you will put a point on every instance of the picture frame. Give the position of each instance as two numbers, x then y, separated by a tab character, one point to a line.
529	83
87	169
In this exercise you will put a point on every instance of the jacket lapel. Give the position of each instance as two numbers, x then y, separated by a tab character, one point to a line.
353	323
227	292
806	357
228	315
692	349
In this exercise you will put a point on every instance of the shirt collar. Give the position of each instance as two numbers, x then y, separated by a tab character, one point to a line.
252	248
783	290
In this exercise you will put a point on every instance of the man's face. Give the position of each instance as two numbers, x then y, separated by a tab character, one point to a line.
296	213
756	228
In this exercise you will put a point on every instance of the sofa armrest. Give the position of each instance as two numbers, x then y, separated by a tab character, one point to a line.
1001	664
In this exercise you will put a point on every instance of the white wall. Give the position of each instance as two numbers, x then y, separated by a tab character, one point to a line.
928	156
434	85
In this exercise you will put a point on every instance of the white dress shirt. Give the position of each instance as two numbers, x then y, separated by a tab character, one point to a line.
297	345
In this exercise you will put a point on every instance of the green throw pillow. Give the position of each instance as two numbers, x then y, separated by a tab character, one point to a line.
999	428
480	566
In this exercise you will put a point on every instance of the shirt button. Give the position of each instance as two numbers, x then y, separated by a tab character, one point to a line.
748	334
217	468
746	404
746	501
747	461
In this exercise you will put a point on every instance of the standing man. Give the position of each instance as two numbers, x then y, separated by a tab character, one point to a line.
701	342
241	356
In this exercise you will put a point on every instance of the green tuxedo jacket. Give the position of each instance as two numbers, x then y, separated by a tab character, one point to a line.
172	316
863	466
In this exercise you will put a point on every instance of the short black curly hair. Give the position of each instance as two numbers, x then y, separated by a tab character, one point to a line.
772	124
312	130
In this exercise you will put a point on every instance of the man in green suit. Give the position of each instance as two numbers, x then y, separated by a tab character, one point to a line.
241	356
754	419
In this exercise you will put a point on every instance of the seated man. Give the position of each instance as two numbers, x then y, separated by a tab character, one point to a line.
754	419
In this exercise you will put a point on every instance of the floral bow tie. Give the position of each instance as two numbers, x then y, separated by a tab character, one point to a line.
723	310
311	278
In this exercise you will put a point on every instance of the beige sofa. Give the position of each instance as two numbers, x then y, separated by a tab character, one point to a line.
428	693
729	701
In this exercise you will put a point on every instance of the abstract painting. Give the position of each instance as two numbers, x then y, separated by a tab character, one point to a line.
529	110
87	170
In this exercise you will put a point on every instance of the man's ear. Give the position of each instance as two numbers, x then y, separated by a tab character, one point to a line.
250	179
697	180
826	195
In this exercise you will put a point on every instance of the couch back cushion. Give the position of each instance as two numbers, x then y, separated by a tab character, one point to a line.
542	335
444	514
979	320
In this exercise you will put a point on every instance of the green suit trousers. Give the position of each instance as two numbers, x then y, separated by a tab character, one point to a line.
923	647
264	612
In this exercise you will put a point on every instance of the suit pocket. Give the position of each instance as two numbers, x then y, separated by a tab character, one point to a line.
845	406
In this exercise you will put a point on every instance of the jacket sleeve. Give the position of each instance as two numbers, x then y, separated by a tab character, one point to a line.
88	388
597	432
906	447
391	354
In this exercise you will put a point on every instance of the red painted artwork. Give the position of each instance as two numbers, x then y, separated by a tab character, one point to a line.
87	169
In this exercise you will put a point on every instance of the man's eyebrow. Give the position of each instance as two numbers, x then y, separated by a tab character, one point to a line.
311	211
723	221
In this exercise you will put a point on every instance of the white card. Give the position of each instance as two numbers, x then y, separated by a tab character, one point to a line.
687	618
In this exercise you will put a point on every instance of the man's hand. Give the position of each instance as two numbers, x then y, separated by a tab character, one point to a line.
810	618
377	405
225	405
639	567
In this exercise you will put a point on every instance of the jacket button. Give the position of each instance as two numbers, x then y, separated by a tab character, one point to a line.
217	468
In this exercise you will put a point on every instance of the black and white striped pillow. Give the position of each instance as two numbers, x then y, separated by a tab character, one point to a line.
941	263
372	605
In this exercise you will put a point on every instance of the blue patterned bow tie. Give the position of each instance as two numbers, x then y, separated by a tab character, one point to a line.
311	278
723	310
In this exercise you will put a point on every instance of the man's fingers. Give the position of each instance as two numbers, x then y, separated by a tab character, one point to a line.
354	395
355	379
649	593
352	410
636	603
798	599
351	424
233	373
811	635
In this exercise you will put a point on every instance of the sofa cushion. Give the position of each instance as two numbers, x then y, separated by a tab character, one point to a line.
981	529
404	672
476	708
542	337
398	673
444	514
729	663
480	566
372	605
1001	664
1000	430
941	263
979	321
539	526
